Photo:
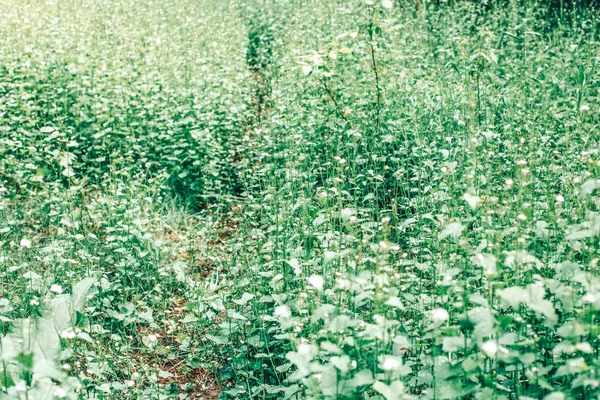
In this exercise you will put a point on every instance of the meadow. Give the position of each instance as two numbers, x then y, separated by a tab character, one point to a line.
299	199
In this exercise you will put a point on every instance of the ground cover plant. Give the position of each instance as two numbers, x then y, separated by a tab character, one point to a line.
299	199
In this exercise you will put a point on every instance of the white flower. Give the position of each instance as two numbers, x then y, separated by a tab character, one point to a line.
522	217
152	338
68	334
387	4
130	383
283	312
439	315
21	386
490	348
56	289
509	182
390	363
34	302
589	298
384	245
305	349
316	281
25	243
60	393
353	219
559	198
584	108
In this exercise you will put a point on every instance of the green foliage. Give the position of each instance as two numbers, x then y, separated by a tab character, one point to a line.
381	200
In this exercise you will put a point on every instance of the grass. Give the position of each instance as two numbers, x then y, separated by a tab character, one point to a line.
284	199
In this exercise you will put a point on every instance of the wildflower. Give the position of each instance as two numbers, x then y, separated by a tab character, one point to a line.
25	243
34	302
316	281
152	338
60	393
353	219
56	289
490	348
439	315
522	217
283	312
509	182
390	363
384	245
130	383
67	334
589	298
584	108
21	386
559	198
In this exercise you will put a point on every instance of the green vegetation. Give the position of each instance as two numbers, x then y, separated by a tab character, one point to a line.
299	199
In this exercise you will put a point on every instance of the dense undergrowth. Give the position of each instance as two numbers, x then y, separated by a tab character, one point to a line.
298	199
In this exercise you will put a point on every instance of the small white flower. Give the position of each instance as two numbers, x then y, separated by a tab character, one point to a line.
60	393
490	348
283	312
130	383
384	245
509	182
68	334
152	338
589	298
353	219
305	349
21	386
559	198
56	289
584	108
316	281
25	243
439	315
521	162
34	302
522	217
390	363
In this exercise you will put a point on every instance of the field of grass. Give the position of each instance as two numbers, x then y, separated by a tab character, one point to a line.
299	199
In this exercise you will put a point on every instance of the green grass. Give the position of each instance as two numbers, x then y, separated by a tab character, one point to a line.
298	199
